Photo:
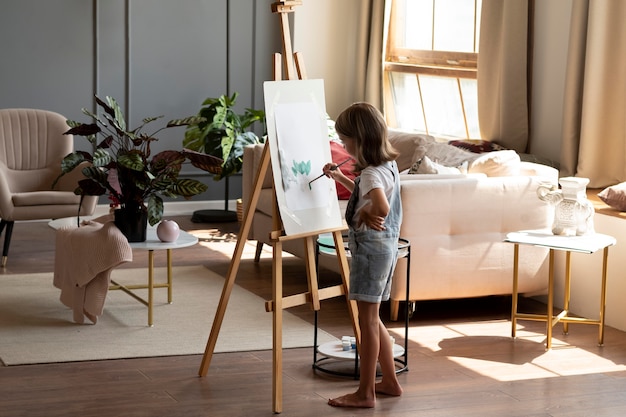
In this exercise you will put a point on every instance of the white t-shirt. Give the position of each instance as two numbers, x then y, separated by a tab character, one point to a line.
372	177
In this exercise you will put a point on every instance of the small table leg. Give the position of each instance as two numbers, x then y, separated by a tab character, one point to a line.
514	295
603	296
549	316
169	276
568	287
150	284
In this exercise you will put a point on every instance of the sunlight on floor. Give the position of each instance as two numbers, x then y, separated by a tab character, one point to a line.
486	348
225	243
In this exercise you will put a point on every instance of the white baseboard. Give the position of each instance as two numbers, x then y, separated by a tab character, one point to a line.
180	208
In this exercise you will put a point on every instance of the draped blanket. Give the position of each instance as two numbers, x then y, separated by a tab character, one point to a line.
84	259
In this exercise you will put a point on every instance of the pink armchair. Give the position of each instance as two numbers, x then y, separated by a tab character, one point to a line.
32	146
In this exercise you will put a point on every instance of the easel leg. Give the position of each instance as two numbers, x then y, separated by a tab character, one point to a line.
277	293
234	265
311	270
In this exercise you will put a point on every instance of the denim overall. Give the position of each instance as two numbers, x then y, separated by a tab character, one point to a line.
374	253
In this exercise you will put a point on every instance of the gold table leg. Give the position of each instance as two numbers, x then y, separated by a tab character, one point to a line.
550	301
150	284
169	276
568	288
514	295
128	289
603	296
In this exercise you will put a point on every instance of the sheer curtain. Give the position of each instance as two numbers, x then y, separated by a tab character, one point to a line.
594	122
503	80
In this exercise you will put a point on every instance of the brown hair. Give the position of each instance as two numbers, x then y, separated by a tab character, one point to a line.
366	125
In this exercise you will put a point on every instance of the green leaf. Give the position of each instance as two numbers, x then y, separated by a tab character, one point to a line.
114	110
192	120
155	209
71	161
101	158
131	160
151	119
186	187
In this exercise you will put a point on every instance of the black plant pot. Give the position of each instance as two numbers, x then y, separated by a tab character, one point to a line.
132	220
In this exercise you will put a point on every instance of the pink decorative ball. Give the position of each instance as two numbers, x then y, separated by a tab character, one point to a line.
168	231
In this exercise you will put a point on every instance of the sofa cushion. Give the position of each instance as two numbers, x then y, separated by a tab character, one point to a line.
615	196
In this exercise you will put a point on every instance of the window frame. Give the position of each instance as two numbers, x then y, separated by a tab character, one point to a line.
448	64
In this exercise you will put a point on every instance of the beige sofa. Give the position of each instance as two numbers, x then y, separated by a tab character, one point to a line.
455	222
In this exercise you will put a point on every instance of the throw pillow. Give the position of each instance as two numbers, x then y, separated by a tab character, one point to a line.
411	146
496	164
615	196
477	145
339	154
448	155
426	166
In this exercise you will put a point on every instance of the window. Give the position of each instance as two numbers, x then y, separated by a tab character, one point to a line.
430	67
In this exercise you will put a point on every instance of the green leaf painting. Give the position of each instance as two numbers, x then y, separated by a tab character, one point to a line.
302	168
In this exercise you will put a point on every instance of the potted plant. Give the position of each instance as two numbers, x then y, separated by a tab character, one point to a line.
222	133
122	166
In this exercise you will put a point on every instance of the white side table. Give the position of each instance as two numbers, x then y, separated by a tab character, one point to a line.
582	244
151	244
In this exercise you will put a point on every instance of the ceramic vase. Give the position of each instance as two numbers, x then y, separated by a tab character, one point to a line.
168	231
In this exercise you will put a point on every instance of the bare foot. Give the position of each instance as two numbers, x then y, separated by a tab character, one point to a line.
388	389
352	400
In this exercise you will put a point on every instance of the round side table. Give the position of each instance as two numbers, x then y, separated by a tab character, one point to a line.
328	357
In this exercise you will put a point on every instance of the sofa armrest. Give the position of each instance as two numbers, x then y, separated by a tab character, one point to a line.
539	170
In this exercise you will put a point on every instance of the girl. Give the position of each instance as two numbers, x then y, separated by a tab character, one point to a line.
374	214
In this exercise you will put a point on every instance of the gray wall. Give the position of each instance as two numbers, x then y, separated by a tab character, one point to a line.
155	57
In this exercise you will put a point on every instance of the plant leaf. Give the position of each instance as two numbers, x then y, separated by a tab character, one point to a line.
188	187
84	130
192	120
155	209
131	160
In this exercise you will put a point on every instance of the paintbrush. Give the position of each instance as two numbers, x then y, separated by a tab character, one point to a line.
332	169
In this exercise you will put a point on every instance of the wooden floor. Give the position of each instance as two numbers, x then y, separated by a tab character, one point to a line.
462	361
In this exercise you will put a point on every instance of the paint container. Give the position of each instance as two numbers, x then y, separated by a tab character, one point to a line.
345	343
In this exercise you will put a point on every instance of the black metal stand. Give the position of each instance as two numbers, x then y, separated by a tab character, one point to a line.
402	362
216	216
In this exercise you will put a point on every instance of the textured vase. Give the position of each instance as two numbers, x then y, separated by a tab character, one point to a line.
132	220
573	213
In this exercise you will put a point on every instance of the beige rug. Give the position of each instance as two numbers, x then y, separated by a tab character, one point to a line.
35	327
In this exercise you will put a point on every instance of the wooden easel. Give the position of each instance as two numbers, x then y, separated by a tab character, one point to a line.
279	302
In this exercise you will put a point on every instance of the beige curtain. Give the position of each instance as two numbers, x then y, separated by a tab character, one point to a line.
594	126
369	65
502	73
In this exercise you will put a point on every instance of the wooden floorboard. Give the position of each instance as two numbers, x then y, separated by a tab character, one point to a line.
462	361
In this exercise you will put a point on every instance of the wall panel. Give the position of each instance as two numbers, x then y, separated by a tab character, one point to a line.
156	57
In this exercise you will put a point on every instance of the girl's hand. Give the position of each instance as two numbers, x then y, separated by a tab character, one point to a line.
372	221
374	214
331	170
